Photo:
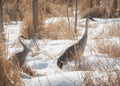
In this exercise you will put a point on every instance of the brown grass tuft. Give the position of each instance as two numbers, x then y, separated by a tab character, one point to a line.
28	70
112	79
27	29
93	26
58	30
9	75
97	11
114	30
55	10
6	19
108	47
100	8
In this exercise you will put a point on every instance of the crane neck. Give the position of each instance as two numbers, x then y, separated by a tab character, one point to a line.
24	46
86	28
84	38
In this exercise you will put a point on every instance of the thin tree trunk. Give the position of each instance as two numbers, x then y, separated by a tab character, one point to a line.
91	3
2	37
98	2
35	15
1	18
115	2
68	2
68	14
76	17
16	9
71	5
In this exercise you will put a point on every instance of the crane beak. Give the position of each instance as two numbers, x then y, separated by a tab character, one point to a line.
22	36
92	19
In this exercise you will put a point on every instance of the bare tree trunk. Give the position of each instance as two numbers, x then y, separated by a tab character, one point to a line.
98	2
1	18
115	2
76	16
2	37
35	15
16	9
91	3
68	3
68	14
71	5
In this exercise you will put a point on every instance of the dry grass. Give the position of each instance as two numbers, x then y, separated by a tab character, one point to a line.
57	30
9	75
94	12
27	29
28	70
114	30
49	8
112	79
99	11
53	8
6	19
108	47
103	9
81	24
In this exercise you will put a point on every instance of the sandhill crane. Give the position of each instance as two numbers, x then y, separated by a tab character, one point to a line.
18	59
76	51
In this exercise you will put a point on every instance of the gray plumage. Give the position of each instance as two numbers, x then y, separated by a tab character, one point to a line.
76	51
18	59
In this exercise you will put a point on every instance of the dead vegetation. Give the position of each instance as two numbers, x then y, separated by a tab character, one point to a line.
9	75
90	26
55	8
95	12
114	30
27	28
108	47
28	70
112	79
17	10
100	8
57	30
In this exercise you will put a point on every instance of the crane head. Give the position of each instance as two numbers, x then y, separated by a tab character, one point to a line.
89	17
25	46
21	36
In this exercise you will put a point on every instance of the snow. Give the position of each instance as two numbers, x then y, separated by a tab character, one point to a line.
44	62
74	78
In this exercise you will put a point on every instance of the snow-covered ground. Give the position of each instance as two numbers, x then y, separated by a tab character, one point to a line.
43	60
